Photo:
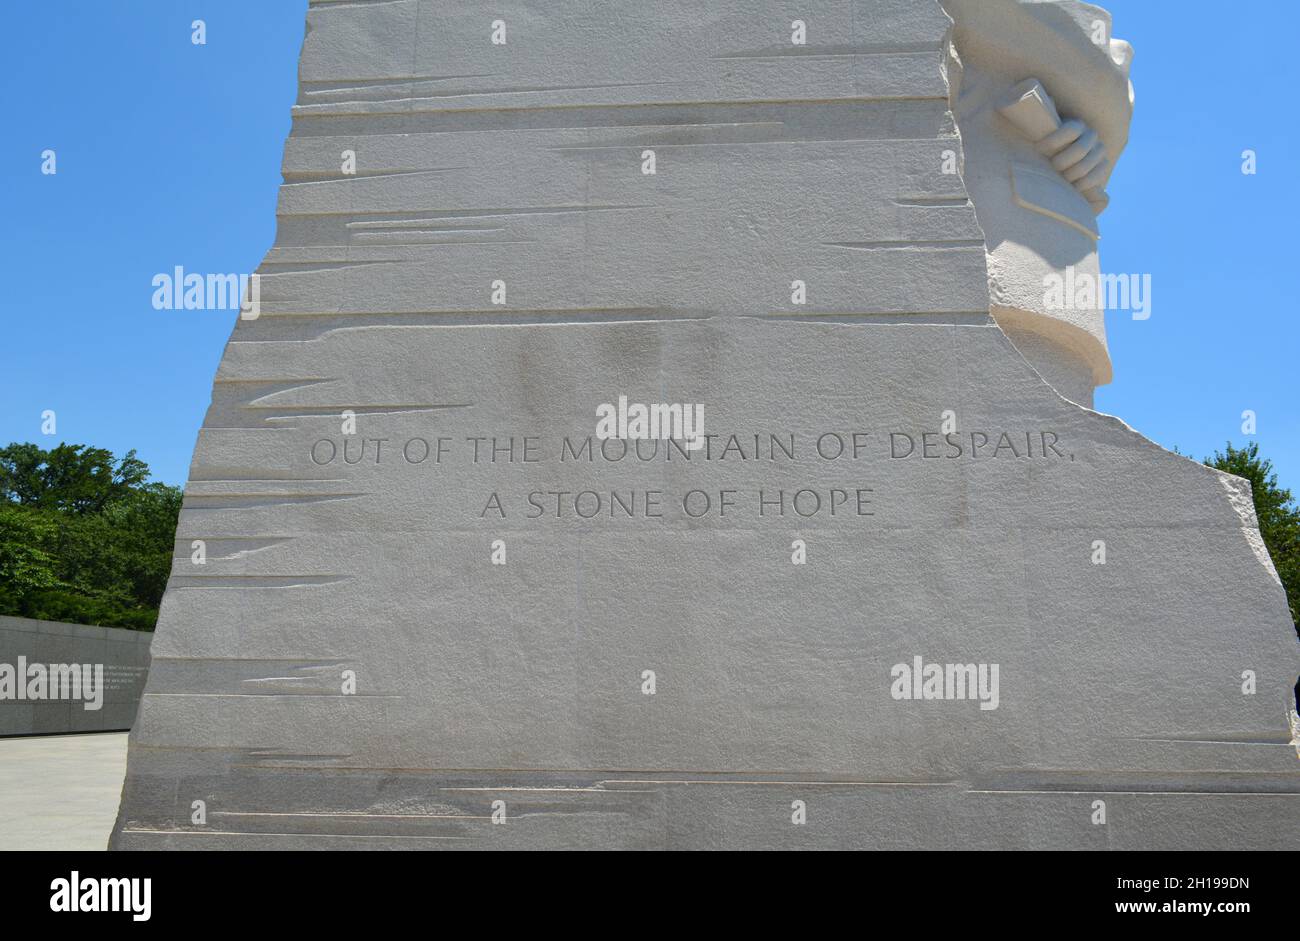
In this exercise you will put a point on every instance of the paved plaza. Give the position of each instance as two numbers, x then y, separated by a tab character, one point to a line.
60	792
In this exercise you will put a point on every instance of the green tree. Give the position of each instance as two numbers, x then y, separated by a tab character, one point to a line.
1279	518
83	536
25	565
74	477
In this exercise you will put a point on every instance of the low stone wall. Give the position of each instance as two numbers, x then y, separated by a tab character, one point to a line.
57	677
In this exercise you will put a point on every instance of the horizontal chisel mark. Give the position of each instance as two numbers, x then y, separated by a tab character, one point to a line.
309	411
413	99
292	267
408	226
373	117
320	86
932	201
905	244
293	178
346	4
346	815
259	835
430	239
978	318
225	501
1246	738
1254	783
252	582
215	553
837	52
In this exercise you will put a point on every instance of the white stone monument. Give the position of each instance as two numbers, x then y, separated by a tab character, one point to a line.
895	586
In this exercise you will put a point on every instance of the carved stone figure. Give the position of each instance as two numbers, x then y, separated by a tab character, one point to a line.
1017	69
909	593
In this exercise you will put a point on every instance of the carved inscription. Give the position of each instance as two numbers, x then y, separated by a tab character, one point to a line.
853	450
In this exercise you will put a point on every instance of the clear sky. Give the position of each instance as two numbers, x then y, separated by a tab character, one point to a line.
169	154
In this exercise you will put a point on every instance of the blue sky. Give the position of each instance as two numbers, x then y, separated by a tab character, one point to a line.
169	154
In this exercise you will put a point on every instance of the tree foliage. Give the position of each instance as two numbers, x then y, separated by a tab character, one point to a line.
1279	517
84	537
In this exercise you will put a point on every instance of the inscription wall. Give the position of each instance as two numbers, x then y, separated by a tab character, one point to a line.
57	677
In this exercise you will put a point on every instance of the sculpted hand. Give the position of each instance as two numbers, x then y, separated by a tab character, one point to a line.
1076	150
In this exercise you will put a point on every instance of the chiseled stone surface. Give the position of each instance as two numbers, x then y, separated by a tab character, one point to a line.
510	705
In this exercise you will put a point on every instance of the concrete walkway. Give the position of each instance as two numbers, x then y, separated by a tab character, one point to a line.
60	792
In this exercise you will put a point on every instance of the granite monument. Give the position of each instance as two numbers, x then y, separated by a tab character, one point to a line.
668	425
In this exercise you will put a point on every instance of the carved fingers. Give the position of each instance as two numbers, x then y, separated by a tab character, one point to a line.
1075	150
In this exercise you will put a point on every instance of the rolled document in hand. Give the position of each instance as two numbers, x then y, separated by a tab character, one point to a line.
1076	151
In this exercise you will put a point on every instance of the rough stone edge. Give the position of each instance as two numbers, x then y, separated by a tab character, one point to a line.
1237	490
